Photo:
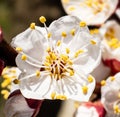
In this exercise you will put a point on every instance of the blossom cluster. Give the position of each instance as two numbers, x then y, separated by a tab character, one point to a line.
68	60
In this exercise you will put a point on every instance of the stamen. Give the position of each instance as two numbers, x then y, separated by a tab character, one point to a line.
18	49
90	79
16	81
64	34
116	109
103	83
32	25
93	42
58	43
49	35
53	95
112	78
82	24
24	57
42	19
72	32
78	53
85	90
38	73
67	50
71	8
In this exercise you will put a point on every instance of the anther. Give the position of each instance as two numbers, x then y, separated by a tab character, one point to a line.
19	49
24	57
103	83
38	73
32	25
82	24
42	19
72	32
85	89
64	34
93	42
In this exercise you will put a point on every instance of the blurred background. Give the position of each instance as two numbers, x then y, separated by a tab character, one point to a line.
16	16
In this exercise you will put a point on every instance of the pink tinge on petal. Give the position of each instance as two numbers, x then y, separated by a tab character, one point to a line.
34	103
98	106
1	66
1	35
113	64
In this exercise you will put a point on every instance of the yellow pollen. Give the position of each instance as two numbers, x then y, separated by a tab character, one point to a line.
64	57
54	57
19	49
72	32
90	79
82	24
71	8
42	19
71	72
67	50
5	83
16	81
38	73
49	35
78	53
103	83
58	43
24	57
48	49
69	62
93	42
65	1
116	109
5	76
64	34
61	97
94	31
85	89
32	25
112	78
53	95
46	63
5	93
113	43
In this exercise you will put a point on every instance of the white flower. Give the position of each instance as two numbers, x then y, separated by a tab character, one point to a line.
90	109
110	32
93	12
56	61
110	92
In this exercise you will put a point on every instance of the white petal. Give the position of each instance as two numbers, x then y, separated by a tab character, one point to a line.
32	42
35	88
89	59
65	24
24	66
17	106
73	88
110	89
86	14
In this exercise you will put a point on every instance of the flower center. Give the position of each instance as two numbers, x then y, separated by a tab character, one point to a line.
111	39
58	64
